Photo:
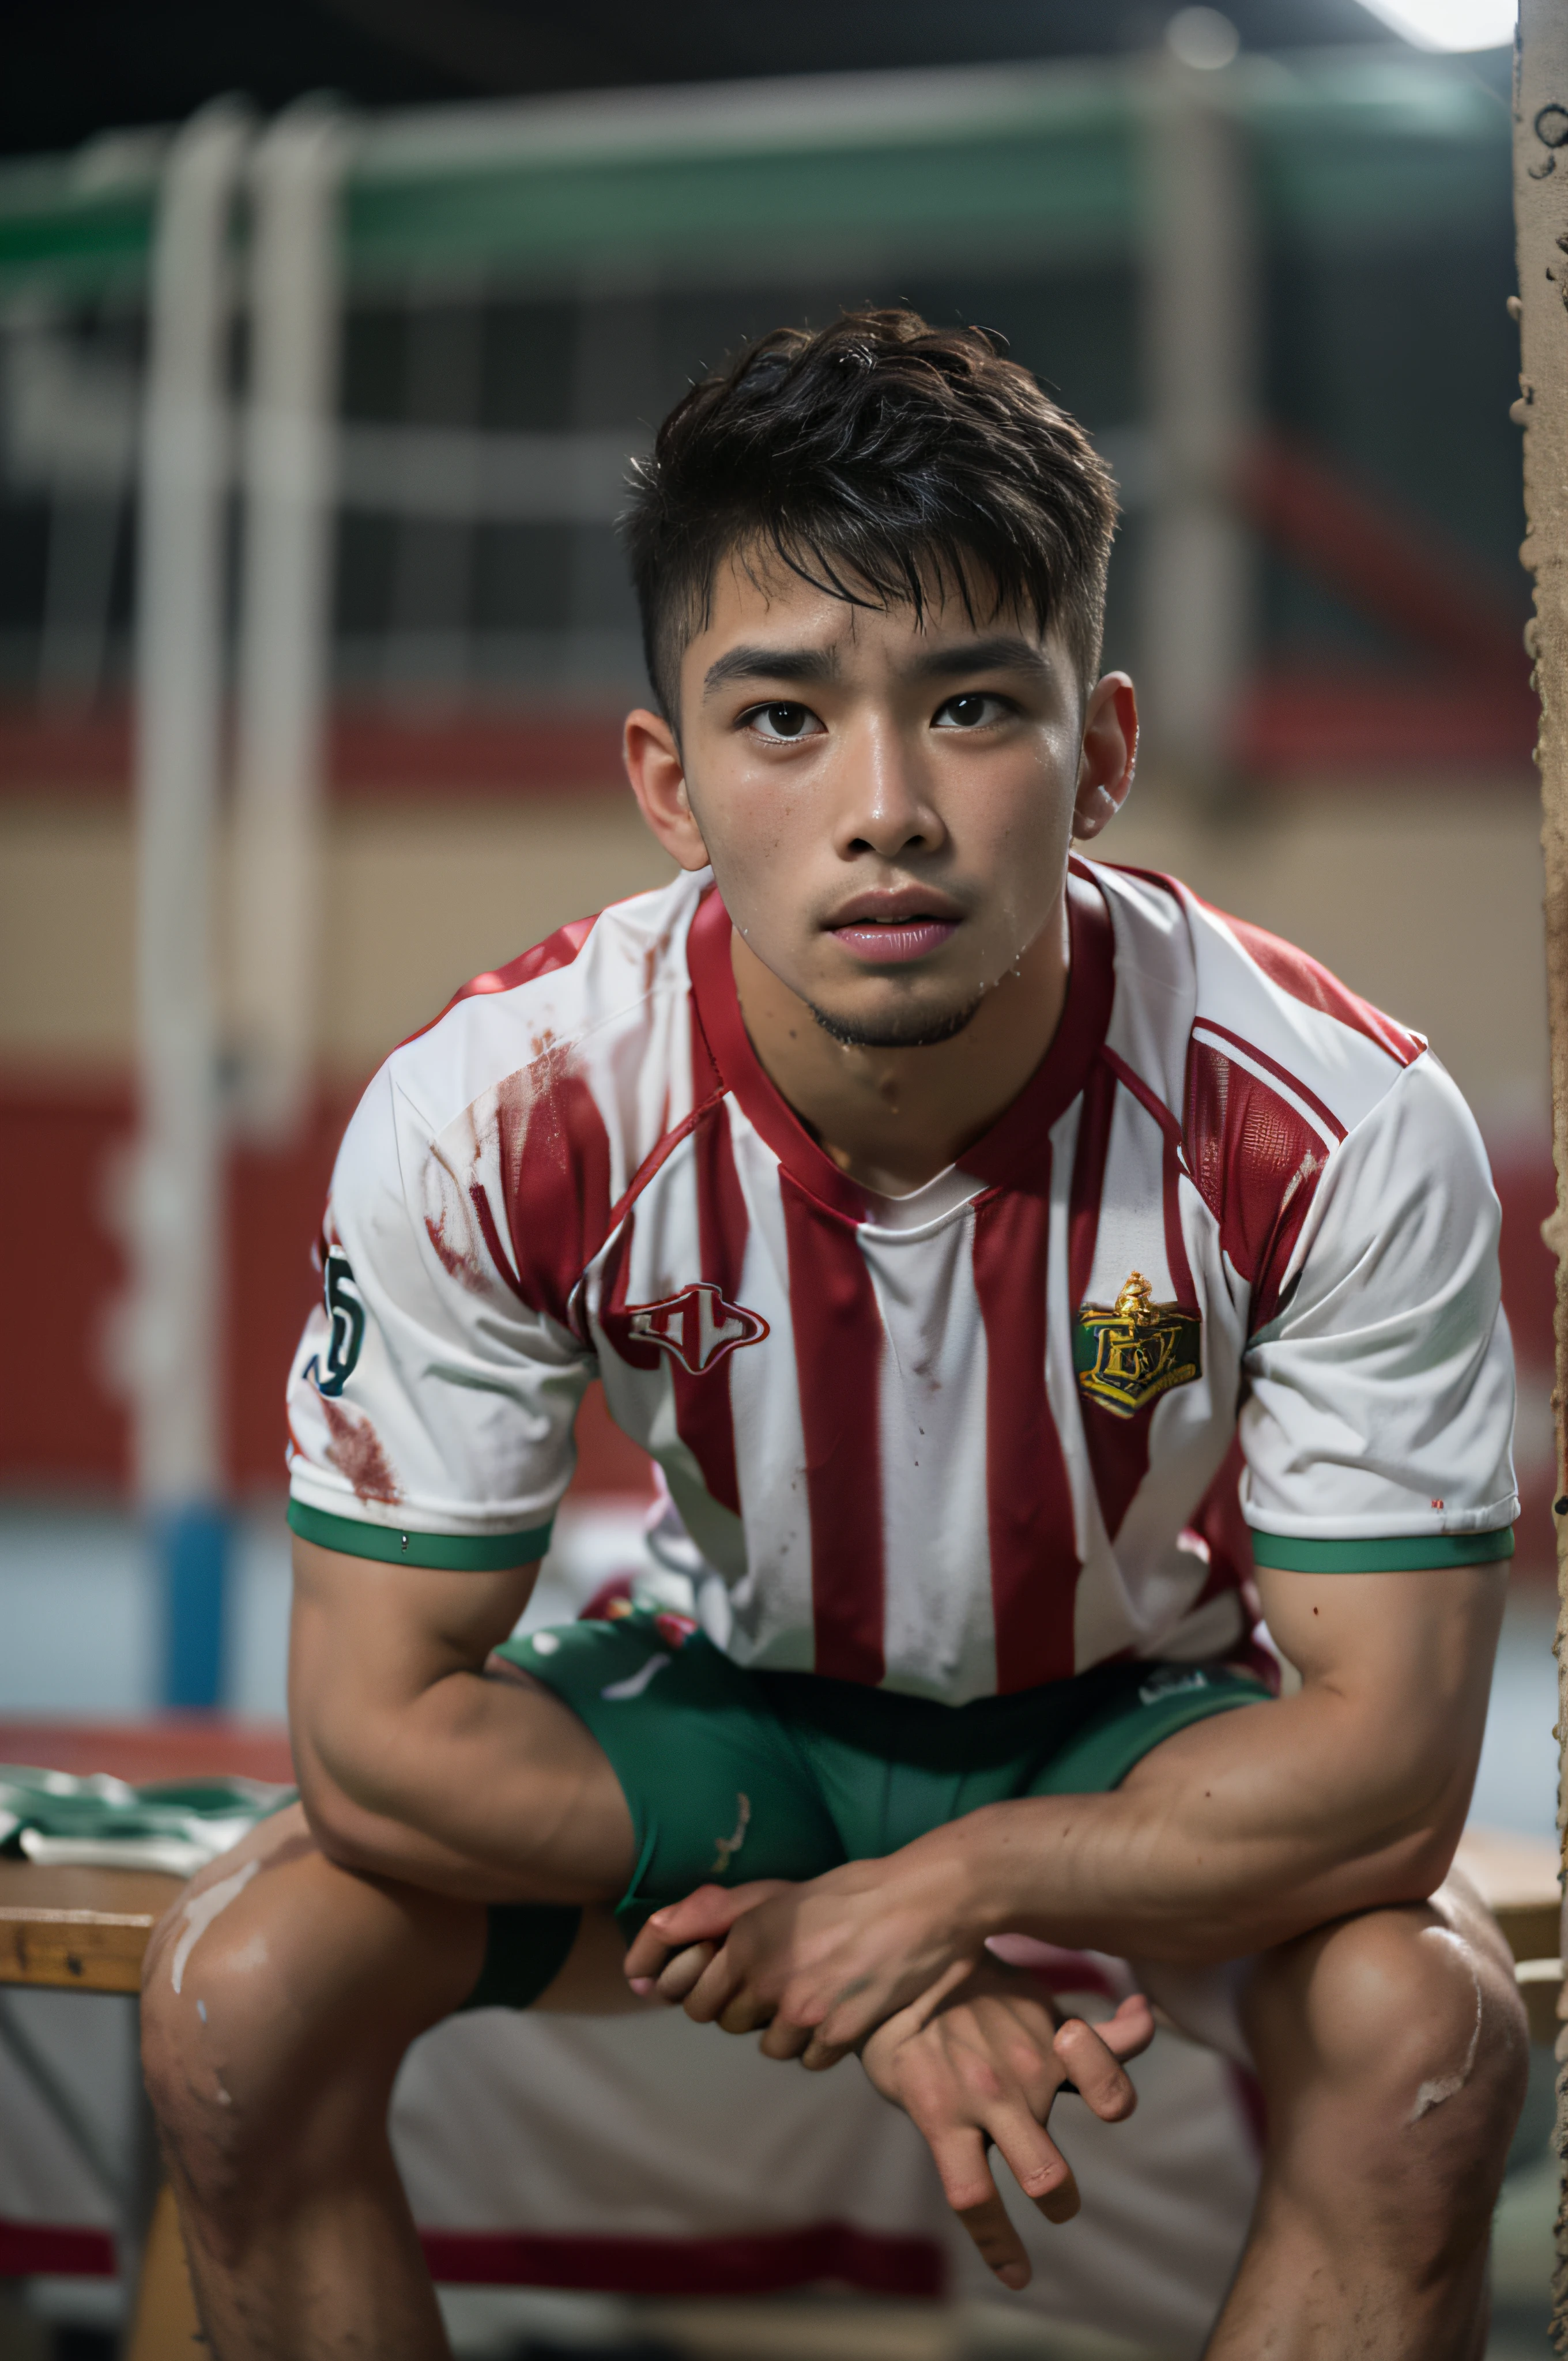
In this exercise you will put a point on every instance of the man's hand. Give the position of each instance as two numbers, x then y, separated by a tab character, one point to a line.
974	2062
980	2068
820	1964
1236	1834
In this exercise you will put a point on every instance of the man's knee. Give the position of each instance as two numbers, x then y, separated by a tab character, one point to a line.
1404	2026
280	1993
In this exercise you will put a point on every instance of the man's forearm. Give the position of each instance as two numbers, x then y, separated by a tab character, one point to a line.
1256	1826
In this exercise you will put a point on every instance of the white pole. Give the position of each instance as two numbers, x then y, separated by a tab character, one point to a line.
285	619
177	1242
1200	353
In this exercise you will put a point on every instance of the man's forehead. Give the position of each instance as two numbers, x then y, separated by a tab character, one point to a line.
753	615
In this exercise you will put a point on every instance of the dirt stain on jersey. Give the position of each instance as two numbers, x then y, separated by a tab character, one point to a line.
518	1187
462	1262
357	1451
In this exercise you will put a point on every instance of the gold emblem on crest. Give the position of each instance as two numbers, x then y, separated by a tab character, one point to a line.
1127	1356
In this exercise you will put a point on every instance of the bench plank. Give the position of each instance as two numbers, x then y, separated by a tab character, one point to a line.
78	1929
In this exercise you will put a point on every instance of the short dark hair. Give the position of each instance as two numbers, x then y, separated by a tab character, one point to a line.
871	458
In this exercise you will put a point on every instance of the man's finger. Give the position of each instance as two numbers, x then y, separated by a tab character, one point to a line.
1060	2204
1098	2077
1035	2162
960	2154
1130	2031
999	2243
715	1988
679	1974
817	2054
747	2013
783	2039
705	1917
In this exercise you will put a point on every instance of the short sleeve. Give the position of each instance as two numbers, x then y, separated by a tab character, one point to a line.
1378	1419
431	1408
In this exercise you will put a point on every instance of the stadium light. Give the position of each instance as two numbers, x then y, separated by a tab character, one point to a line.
1449	24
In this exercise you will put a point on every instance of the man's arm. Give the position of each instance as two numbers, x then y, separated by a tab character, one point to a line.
414	1764
1239	1832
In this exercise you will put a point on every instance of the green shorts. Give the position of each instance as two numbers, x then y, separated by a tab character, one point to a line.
732	1775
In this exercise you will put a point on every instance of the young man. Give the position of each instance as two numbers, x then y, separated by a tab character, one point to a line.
950	1219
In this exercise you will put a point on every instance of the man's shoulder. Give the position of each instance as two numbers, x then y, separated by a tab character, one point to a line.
560	1008
1215	1004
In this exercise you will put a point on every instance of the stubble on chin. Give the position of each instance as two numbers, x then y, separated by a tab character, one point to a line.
912	1030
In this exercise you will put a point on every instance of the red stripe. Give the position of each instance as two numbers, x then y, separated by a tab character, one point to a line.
43	2249
1089	1178
838	1352
756	2263
1256	1162
1034	1561
1326	1115
1012	1149
492	1239
704	1417
724	1033
1118	1449
555	1161
636	1352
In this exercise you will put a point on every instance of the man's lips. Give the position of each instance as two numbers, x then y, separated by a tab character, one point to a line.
880	942
906	924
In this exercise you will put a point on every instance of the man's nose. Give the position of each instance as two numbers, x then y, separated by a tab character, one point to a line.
887	805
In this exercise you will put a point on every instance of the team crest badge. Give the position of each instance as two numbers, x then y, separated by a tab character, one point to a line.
698	1327
1127	1356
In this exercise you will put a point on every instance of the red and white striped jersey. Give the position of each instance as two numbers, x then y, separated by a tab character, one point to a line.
957	1443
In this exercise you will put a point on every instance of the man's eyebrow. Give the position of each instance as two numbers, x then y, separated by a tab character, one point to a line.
769	663
1000	651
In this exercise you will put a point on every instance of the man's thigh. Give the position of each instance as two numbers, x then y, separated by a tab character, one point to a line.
717	1791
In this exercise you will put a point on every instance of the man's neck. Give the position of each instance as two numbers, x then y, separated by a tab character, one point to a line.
893	1119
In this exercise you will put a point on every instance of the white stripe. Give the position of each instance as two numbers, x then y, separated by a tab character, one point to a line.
620	1692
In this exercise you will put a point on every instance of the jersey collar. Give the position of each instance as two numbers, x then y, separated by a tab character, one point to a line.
1014	1144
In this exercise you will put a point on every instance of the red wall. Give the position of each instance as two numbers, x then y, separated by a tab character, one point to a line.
62	1265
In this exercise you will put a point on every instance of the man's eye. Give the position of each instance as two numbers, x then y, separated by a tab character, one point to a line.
780	721
972	710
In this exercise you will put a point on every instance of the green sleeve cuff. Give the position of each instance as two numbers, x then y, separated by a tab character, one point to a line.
449	1553
1381	1553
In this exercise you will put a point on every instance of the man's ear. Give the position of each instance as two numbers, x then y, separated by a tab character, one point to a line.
1109	751
658	779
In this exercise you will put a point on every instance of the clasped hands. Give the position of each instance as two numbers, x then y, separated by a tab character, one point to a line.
875	1958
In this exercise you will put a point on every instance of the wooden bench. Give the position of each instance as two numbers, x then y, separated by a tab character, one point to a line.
79	1929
